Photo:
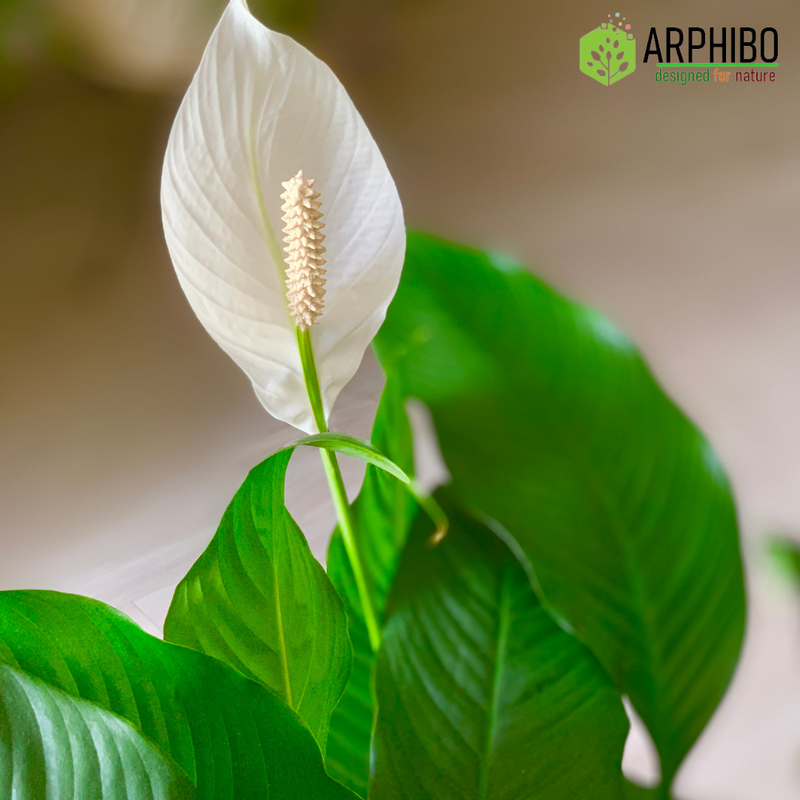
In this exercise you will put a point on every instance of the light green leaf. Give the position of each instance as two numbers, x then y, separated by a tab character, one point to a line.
785	556
56	746
232	737
551	424
351	446
382	516
258	600
480	693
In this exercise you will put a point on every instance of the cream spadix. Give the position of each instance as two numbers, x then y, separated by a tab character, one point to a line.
260	110
305	273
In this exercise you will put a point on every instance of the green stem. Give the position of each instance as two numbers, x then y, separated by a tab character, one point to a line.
428	503
338	493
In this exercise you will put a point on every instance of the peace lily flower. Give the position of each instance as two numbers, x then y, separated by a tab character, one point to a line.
266	142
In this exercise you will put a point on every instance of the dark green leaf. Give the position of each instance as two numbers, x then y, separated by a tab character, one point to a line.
635	792
258	600
53	745
480	693
382	513
551	424
234	738
350	735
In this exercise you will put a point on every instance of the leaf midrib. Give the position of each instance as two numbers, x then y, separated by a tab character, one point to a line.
281	633
503	627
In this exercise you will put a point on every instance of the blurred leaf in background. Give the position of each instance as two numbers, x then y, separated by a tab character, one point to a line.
21	32
290	16
144	45
155	45
785	555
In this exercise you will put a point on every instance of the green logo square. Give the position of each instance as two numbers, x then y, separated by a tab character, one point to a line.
608	54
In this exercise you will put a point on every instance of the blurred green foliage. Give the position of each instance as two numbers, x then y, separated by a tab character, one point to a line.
33	31
785	554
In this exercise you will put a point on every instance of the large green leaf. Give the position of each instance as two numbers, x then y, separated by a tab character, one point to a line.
258	600
480	693
382	516
234	739
551	424
59	747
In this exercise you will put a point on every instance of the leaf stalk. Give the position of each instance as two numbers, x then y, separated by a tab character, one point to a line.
338	493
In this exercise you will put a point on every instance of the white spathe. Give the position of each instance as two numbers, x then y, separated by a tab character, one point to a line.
259	109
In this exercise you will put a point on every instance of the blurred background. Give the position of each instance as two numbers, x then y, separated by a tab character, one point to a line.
674	210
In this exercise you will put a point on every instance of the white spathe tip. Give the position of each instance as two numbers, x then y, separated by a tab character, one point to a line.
262	108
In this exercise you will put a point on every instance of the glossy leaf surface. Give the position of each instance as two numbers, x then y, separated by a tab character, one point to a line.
233	738
382	516
59	747
480	693
258	600
551	424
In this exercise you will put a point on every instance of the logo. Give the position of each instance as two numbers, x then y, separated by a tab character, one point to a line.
608	53
683	56
751	57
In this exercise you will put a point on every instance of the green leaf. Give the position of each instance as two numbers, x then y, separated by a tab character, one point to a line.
350	735
382	516
258	600
54	745
480	693
785	555
551	424
351	446
635	792
234	739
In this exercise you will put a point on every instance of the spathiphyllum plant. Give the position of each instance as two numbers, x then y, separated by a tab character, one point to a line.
473	643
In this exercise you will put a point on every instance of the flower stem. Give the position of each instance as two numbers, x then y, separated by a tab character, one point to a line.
338	493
